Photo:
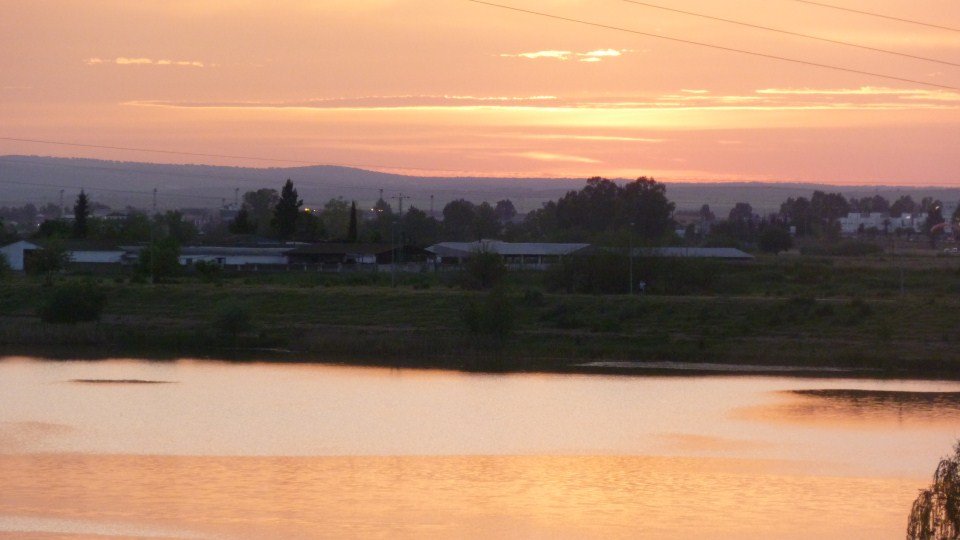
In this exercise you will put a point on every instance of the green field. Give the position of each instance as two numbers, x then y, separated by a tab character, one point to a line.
813	312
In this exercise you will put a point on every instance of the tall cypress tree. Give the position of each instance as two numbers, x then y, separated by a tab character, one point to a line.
352	232
81	211
286	212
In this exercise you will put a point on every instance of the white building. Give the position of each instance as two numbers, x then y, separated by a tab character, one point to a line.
234	256
15	253
855	222
726	253
521	255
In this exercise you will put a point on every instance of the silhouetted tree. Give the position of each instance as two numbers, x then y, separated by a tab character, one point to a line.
487	224
81	213
171	224
381	227
336	218
797	213
934	218
903	205
242	224
505	211
775	239
741	212
741	223
706	214
419	229
459	221
54	228
352	230
648	209
869	205
309	228
261	204
287	212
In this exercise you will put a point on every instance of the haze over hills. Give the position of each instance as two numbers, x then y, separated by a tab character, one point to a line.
39	180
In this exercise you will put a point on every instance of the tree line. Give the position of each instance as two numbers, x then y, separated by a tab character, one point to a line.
602	212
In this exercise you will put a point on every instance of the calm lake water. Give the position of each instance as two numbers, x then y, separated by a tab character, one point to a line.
218	450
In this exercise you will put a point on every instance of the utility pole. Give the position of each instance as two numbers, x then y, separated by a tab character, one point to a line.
400	198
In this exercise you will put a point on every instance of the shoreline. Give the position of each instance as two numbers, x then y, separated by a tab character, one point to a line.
474	365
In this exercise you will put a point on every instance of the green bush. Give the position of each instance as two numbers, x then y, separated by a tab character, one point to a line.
72	303
208	272
609	273
533	298
491	317
232	319
775	239
160	259
846	248
564	316
484	270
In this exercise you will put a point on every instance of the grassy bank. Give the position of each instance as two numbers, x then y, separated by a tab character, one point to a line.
776	311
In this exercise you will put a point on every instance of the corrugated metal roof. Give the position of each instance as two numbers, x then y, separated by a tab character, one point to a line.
695	252
465	249
340	248
218	250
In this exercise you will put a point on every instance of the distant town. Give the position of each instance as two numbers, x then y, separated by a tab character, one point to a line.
272	228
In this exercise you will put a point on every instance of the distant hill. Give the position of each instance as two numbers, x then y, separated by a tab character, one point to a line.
119	184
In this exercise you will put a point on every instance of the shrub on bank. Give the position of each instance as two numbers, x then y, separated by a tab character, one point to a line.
72	303
845	248
609	273
484	270
491	318
232	319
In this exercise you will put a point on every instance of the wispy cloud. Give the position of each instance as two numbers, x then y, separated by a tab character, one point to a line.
139	61
602	138
770	99
546	156
554	54
866	91
374	102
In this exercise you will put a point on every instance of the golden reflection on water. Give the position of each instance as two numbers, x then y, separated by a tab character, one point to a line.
721	457
444	497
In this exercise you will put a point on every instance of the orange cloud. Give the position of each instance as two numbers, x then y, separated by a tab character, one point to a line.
126	61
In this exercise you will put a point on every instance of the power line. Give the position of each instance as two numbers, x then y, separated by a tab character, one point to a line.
792	33
879	15
714	46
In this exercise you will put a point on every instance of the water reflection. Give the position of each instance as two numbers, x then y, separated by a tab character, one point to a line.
445	497
264	450
862	408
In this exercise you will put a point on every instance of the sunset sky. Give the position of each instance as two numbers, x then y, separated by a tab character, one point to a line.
448	87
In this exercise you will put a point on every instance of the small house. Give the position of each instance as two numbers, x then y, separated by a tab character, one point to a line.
16	253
